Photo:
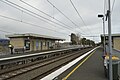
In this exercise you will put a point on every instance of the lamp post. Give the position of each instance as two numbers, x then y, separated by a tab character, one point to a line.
102	16
110	40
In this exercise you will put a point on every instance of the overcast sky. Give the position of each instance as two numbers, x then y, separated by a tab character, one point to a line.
88	10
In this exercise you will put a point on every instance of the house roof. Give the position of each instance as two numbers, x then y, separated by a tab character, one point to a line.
33	35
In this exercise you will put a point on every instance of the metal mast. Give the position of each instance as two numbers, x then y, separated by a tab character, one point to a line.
110	41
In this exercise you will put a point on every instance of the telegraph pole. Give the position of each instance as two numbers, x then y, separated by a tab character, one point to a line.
110	41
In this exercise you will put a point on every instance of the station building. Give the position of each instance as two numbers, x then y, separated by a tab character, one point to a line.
33	42
115	40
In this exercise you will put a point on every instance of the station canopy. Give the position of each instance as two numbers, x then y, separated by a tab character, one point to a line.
35	36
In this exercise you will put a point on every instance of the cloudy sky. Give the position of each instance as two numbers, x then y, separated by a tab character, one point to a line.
47	20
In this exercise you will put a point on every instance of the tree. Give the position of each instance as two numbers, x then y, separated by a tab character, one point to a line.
83	41
92	43
87	42
73	38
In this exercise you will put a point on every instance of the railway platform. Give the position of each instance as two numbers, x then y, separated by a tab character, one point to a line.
89	68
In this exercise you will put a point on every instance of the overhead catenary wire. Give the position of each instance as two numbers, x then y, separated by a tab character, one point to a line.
79	14
30	24
113	6
5	31
105	14
105	6
63	14
28	13
48	14
91	36
38	15
36	8
21	15
43	12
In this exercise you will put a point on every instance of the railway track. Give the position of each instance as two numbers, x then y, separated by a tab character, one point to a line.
40	69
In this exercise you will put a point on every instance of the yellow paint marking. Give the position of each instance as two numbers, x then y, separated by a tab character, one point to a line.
78	66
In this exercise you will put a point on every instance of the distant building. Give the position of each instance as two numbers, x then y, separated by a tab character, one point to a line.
33	42
115	40
4	45
4	42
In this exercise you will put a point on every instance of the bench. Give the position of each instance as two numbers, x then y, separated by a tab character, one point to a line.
18	50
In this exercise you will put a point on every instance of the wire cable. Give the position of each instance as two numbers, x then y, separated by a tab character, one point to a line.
79	14
37	14
30	24
104	6
113	6
5	31
43	12
29	14
63	14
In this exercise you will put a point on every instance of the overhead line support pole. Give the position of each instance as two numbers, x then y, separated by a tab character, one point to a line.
110	42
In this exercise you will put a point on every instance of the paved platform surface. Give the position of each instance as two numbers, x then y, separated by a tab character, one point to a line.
92	69
6	55
2	55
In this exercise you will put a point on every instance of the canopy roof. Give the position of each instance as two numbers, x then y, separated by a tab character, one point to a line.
33	35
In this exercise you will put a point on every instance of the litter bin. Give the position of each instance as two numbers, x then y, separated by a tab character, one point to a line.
115	64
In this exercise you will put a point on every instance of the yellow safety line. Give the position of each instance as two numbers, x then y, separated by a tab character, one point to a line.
78	66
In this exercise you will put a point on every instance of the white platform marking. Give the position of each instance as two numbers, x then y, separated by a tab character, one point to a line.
64	68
